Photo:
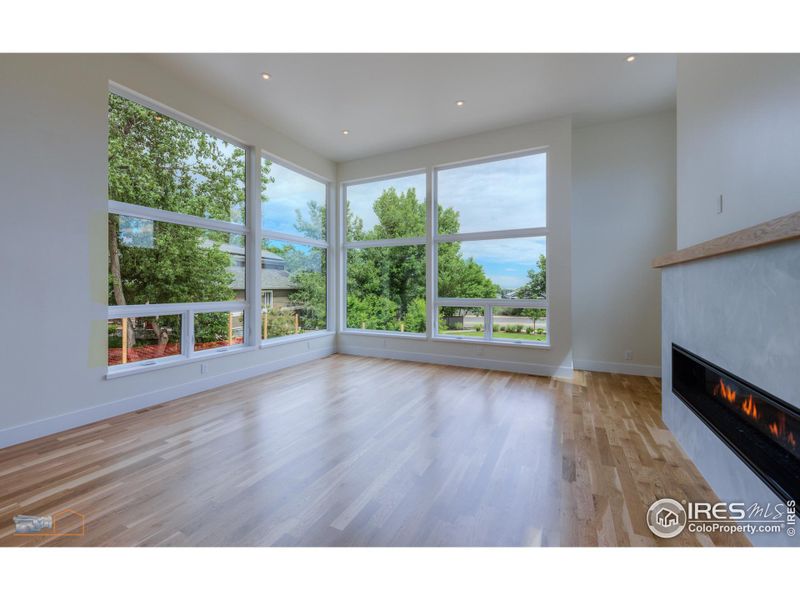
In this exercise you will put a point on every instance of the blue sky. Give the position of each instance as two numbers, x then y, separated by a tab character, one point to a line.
505	194
290	191
506	262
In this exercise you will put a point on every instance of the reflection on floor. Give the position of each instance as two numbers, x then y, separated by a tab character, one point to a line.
364	451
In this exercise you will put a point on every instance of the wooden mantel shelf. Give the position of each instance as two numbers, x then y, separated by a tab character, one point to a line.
777	230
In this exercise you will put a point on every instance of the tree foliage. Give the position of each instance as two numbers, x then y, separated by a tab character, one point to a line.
391	280
158	162
535	288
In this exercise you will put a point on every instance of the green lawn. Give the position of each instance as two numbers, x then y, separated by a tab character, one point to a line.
499	335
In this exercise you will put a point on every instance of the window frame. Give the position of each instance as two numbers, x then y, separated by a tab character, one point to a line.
431	240
279	236
253	236
488	304
346	245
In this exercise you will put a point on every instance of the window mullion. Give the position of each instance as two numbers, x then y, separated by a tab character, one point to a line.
187	333
168	216
252	329
431	262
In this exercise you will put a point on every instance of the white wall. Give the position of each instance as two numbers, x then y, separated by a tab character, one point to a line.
53	282
623	207
556	136
739	136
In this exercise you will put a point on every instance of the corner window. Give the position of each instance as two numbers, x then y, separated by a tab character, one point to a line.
385	260
294	252
176	238
490	244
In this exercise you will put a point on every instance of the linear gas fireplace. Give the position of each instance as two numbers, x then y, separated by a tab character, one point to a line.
763	430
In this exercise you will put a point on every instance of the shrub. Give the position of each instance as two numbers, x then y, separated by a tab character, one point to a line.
371	312
415	316
540	332
279	323
478	327
495	328
529	330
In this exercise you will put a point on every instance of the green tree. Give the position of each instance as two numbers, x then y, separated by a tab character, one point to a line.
398	273
158	162
535	288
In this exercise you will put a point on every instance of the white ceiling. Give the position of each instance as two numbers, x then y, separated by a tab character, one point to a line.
394	101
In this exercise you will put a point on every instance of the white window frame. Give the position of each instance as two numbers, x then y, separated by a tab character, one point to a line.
487	304
431	240
383	243
279	236
264	304
253	234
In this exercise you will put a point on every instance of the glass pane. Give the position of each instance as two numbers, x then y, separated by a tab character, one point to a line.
510	268
519	324
134	340
151	262
293	289
502	194
159	162
461	321
390	208
291	202
386	288
218	330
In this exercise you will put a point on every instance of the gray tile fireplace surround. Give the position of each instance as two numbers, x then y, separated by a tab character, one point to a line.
740	311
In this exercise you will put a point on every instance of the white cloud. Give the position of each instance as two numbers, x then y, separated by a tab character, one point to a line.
507	194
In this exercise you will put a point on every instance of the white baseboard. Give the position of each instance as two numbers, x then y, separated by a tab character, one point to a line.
623	368
60	423
475	362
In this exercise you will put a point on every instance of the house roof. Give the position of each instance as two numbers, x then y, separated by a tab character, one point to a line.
271	279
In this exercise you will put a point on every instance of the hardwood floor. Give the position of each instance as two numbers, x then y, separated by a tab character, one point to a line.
368	452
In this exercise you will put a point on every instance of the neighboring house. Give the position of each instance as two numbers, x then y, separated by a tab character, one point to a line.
275	279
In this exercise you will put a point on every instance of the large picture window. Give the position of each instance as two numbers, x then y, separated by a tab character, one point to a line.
190	273
385	263
176	238
294	252
490	249
488	262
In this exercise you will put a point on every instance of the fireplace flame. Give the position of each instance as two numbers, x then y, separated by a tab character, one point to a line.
726	392
749	408
752	408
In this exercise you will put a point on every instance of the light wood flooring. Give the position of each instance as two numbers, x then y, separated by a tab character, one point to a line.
351	451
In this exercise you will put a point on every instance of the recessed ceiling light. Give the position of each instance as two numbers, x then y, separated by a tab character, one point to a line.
265	76
345	132
459	103
630	58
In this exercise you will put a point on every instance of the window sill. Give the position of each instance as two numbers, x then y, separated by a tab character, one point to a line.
379	333
173	361
298	337
503	343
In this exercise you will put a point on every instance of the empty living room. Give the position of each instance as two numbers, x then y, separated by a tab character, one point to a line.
314	316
